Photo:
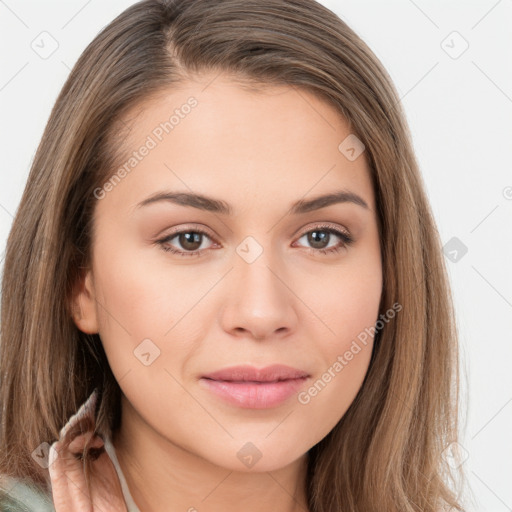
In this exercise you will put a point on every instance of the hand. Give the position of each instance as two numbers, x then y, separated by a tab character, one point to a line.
69	488
67	472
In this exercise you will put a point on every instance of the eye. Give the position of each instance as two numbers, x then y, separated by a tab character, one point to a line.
322	235
189	239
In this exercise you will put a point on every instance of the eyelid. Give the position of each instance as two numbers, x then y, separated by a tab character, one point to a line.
188	227
323	225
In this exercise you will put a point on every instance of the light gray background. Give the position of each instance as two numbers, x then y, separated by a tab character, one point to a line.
459	107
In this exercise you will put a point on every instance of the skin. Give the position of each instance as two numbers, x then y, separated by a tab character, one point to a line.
260	152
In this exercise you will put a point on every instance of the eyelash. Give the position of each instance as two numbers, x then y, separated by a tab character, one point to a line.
347	240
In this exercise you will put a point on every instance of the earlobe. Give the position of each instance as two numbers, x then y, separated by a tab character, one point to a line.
84	306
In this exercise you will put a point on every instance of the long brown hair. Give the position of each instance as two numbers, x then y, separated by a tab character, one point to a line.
386	453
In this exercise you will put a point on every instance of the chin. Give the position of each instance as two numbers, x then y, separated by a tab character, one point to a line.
258	456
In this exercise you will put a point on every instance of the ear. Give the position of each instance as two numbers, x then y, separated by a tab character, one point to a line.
84	305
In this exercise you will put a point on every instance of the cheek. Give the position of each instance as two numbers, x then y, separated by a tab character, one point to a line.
330	394
144	299
354	311
345	359
347	303
350	309
140	301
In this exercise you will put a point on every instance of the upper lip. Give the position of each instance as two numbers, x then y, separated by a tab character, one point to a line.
250	373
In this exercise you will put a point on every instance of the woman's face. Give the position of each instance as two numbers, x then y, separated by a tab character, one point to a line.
260	276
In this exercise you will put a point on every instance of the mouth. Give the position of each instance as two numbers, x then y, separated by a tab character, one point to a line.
252	388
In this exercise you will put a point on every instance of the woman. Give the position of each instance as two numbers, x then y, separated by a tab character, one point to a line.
224	285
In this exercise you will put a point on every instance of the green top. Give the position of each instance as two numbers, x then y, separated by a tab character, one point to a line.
20	496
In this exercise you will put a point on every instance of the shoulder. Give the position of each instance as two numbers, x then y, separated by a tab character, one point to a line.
20	496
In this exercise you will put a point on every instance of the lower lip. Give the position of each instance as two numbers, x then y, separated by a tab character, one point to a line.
254	395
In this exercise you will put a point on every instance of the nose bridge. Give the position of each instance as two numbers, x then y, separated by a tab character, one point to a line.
256	265
260	301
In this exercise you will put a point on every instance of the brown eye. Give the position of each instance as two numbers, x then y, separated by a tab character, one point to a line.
187	243
320	237
190	240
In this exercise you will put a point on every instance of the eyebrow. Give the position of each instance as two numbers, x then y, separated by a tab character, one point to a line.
211	204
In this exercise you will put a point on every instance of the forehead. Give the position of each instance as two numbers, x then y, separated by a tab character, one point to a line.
213	136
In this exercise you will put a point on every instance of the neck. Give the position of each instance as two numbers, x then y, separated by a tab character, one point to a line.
163	476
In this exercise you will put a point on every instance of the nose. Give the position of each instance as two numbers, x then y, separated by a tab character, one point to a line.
259	302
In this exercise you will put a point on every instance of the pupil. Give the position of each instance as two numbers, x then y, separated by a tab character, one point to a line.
190	240
318	237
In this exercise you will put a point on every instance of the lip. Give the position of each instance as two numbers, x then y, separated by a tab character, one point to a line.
252	388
